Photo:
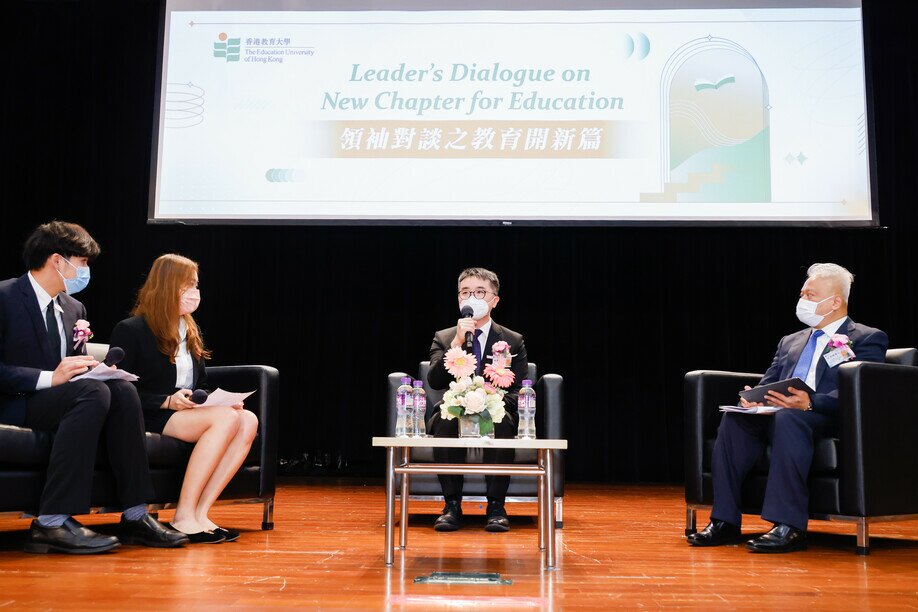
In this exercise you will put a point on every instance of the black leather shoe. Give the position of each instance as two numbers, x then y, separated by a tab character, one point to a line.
451	518
497	518
150	532
71	538
205	537
781	539
229	535
717	533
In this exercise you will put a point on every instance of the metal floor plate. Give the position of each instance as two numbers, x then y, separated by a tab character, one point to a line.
462	578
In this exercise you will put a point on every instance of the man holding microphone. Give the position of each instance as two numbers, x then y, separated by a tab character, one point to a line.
478	292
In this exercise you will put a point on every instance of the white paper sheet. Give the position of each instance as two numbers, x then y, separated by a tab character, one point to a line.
224	398
752	410
104	372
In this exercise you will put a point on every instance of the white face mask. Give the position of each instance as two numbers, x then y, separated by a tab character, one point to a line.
479	307
806	312
189	301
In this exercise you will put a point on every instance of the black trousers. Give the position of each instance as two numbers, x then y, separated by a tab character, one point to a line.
452	484
80	413
741	439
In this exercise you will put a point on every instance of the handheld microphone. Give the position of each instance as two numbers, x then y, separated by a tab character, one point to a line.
114	356
468	313
199	396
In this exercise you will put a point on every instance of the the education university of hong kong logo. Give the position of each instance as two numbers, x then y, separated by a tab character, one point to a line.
227	47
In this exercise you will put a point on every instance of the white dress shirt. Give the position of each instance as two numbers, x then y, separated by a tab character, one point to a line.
44	298
821	343
184	364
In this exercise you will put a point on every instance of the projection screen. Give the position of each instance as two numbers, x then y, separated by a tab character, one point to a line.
614	112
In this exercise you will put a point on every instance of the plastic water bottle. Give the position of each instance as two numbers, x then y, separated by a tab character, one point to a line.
402	395
526	406
418	425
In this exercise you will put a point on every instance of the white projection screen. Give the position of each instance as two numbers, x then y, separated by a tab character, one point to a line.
541	113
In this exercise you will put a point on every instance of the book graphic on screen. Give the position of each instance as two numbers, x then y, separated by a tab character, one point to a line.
702	84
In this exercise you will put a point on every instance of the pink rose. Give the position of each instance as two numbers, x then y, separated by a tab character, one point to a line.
839	340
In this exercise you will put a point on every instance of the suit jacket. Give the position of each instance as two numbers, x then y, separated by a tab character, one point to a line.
143	358
24	348
438	378
870	344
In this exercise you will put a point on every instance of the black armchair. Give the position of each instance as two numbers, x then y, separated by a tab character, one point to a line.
549	424
24	455
865	475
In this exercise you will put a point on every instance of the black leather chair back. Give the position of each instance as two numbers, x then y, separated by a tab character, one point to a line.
902	356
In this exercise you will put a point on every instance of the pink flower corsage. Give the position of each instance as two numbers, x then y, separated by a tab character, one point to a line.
81	333
500	377
842	345
839	340
500	354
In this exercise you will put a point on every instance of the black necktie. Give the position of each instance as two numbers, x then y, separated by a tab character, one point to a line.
54	332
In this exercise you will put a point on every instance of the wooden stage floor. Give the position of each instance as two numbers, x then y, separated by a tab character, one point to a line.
621	546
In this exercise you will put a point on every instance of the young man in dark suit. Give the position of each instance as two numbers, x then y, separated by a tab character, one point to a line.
813	355
478	288
39	355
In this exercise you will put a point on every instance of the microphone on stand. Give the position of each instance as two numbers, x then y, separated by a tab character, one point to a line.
114	356
468	313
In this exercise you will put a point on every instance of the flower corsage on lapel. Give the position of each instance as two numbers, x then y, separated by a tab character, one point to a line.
839	350
81	333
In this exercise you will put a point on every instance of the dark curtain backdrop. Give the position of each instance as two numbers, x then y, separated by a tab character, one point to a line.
622	313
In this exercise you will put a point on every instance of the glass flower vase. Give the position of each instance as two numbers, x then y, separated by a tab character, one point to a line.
469	427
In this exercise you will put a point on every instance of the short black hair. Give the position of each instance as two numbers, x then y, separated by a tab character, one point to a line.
65	239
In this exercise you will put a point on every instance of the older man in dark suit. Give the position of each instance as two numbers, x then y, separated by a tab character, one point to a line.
813	355
40	354
478	290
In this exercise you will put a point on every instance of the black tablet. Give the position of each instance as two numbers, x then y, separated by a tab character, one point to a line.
757	395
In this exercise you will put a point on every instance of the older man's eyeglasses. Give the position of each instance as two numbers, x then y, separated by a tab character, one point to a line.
479	293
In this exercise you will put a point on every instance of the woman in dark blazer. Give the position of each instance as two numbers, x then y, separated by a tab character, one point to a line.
163	346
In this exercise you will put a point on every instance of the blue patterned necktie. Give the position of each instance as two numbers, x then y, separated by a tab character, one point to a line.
476	349
806	357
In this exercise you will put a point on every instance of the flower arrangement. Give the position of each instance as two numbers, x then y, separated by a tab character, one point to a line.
81	333
481	397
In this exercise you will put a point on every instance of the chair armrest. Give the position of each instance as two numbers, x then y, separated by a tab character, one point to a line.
550	398
704	391
550	402
395	381
265	403
878	422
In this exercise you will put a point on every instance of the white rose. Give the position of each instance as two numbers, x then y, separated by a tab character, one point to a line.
494	400
474	402
479	381
498	413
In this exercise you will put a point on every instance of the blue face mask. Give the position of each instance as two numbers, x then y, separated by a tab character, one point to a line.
77	284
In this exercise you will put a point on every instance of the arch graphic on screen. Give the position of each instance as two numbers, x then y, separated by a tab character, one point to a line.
715	129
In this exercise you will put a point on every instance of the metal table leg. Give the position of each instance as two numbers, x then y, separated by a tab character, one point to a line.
390	504
550	511
403	502
541	497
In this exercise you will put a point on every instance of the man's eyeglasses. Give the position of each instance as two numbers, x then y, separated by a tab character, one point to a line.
479	293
